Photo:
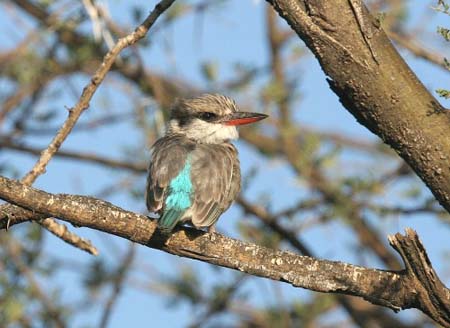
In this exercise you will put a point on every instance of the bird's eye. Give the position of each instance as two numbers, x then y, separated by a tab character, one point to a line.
207	116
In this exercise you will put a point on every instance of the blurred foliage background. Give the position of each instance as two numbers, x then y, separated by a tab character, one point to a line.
314	181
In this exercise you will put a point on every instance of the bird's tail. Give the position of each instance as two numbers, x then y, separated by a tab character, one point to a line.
169	220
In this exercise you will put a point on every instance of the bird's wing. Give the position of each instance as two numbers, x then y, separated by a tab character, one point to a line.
216	179
168	183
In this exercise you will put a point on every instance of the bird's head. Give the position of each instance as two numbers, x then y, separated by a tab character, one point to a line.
210	118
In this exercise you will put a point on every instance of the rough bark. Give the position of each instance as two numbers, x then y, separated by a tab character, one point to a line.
415	287
375	84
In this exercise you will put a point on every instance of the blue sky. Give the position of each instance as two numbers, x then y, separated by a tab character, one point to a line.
235	32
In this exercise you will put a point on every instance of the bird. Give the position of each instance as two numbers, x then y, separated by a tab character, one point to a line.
194	172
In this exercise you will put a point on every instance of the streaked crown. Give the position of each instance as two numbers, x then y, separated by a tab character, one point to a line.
217	104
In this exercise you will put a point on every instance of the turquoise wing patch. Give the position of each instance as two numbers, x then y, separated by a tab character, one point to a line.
178	199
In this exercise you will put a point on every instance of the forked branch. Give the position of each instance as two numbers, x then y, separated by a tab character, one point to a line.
415	287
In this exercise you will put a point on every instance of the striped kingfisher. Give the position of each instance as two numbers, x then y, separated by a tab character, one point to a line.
194	173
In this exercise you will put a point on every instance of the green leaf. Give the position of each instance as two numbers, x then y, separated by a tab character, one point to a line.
12	310
209	71
443	93
445	32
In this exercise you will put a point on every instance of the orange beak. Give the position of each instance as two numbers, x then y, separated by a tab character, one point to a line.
241	118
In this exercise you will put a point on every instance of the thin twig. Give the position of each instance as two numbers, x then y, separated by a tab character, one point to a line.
54	313
81	126
90	89
83	103
219	304
120	277
86	157
407	42
61	231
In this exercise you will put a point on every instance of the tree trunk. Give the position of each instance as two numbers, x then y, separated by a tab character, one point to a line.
374	84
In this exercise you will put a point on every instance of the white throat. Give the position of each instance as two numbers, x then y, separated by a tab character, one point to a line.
204	132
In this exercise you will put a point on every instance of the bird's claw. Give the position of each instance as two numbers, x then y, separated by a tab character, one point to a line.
212	233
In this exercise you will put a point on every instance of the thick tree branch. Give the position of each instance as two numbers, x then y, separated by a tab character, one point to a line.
375	84
395	290
429	290
11	215
363	314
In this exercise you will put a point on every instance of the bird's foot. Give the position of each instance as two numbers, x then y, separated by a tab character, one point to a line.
212	233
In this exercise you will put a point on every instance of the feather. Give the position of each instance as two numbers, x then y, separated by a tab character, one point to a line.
216	180
169	220
169	156
191	181
169	186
